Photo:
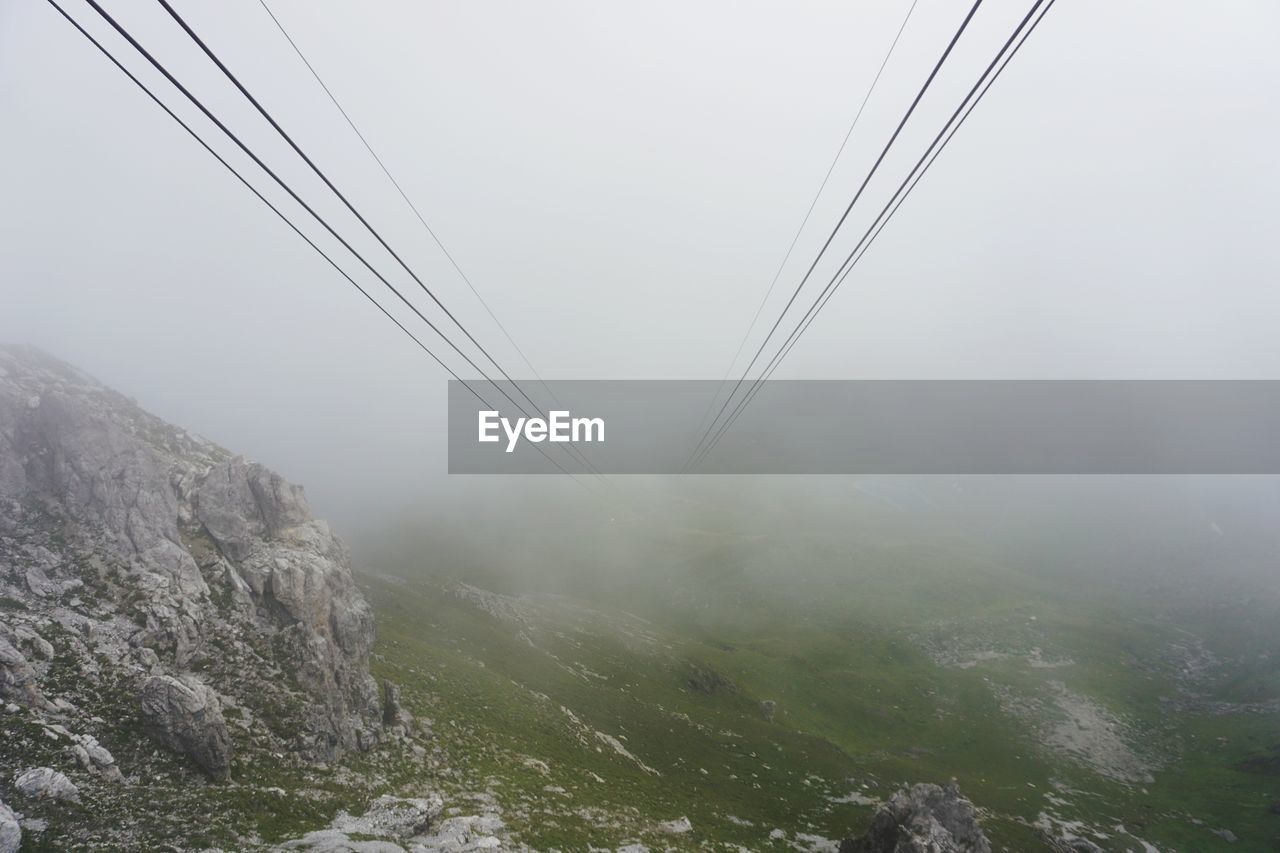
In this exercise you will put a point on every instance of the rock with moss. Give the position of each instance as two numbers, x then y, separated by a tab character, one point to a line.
45	783
151	540
185	716
155	587
924	818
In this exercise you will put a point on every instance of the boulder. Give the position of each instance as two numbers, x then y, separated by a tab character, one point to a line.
185	716
334	841
95	757
393	817
32	644
17	678
45	783
679	826
10	830
924	818
393	713
704	679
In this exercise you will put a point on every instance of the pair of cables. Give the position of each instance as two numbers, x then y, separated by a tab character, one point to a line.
1026	26
318	218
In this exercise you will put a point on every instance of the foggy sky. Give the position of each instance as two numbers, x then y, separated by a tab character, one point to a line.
620	182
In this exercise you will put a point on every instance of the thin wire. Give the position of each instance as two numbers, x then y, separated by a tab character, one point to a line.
897	131
105	52
258	160
386	171
808	213
795	337
896	201
861	249
573	449
173	13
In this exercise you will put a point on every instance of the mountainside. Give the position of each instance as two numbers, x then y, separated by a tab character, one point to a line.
176	628
187	663
774	682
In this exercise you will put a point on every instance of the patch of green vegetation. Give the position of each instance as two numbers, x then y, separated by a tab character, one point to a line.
889	663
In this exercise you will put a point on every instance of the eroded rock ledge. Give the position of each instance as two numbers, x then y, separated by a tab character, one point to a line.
197	579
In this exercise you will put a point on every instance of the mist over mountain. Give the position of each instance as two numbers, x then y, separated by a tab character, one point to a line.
252	253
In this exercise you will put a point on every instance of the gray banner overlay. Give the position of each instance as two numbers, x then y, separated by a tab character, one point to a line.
877	427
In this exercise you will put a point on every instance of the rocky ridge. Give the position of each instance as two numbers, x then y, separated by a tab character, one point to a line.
157	591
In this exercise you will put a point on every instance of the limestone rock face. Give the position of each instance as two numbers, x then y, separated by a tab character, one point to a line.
185	716
923	819
295	573
154	553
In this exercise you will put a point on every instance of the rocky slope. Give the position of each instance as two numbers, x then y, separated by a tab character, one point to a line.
159	593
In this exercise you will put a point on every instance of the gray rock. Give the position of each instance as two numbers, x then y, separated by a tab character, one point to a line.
1075	845
393	817
185	716
393	713
463	833
10	830
45	783
95	757
679	826
17	678
202	549
33	644
334	841
242	503
922	819
768	708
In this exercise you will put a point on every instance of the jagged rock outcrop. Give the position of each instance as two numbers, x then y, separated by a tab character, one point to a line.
277	557
185	716
166	554
924	818
167	608
10	830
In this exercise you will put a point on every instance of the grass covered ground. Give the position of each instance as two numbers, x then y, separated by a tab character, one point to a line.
595	712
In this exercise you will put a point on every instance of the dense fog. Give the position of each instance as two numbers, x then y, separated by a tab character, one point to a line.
620	192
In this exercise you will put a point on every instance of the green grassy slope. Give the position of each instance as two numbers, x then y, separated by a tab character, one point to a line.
891	659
